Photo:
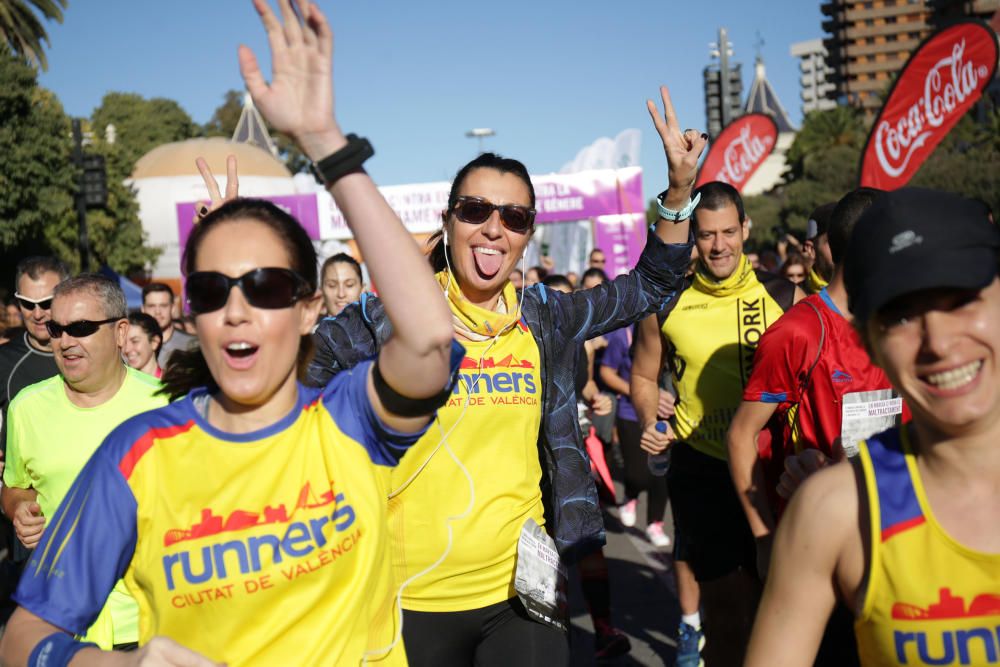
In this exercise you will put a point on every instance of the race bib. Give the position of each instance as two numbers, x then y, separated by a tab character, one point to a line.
540	580
865	413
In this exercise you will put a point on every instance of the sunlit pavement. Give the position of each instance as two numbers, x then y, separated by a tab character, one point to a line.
643	596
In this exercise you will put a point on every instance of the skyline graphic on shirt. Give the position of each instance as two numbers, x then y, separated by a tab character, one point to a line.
510	361
949	606
214	524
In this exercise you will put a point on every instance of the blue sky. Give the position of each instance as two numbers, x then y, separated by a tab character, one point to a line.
549	76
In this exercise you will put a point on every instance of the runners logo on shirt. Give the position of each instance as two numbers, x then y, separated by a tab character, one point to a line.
960	645
485	378
317	538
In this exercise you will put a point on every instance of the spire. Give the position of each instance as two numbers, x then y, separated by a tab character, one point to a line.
251	128
762	99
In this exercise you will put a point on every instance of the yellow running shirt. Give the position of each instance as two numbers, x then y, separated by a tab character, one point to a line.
713	329
929	600
496	440
262	548
49	440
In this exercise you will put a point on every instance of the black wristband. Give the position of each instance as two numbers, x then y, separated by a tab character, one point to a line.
405	406
349	158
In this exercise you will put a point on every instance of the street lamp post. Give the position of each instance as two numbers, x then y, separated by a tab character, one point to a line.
480	133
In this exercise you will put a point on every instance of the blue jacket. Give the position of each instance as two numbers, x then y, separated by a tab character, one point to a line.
559	323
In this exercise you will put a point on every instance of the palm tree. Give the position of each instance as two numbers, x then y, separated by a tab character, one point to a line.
824	130
22	30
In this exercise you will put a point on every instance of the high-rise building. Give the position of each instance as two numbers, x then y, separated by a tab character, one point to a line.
868	43
949	10
815	76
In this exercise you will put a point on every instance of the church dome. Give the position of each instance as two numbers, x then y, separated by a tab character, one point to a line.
177	159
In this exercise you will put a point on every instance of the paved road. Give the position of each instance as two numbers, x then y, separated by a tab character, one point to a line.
643	597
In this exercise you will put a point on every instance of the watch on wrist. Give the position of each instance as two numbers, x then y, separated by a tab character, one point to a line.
673	215
342	162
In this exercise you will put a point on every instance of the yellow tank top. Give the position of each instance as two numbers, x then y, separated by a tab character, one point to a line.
930	600
497	442
713	330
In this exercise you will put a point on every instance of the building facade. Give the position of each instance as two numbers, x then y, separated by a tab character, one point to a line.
815	76
868	42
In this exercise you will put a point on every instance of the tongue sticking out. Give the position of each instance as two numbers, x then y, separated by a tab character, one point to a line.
488	264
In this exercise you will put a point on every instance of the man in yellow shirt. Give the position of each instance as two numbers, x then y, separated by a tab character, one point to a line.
709	334
55	425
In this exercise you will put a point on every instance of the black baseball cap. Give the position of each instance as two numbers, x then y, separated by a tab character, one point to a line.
915	239
819	220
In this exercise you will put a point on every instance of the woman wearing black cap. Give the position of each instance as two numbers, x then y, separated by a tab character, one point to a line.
907	534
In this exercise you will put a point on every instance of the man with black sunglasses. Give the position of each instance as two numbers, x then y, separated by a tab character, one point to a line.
55	425
25	360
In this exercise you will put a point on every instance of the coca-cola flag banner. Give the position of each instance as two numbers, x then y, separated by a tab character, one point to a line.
939	83
739	150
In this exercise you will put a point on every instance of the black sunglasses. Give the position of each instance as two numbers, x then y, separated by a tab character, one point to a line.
270	288
29	304
78	329
476	211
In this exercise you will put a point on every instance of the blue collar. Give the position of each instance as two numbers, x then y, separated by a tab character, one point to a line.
829	302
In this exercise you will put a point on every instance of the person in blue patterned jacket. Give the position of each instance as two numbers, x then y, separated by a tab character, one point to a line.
506	456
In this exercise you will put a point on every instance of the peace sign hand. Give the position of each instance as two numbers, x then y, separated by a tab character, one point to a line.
299	100
683	148
232	186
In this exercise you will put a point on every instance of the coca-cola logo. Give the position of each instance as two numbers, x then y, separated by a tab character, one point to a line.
739	150
938	85
743	155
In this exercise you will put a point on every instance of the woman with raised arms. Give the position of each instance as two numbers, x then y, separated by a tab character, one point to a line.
249	517
506	456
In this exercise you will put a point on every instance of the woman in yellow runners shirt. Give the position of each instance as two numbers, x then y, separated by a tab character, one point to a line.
907	534
248	519
505	453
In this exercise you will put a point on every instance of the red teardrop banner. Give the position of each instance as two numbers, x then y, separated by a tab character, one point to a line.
938	84
739	150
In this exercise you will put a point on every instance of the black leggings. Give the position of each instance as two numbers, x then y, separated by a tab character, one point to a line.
637	475
499	635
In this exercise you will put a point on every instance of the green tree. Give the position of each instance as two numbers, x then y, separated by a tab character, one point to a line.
967	161
38	181
36	177
226	116
141	125
116	234
822	131
22	30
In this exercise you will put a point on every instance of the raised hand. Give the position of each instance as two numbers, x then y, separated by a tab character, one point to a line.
299	99
683	148
216	199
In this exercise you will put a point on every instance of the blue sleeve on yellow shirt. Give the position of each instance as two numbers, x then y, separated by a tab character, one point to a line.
346	399
86	548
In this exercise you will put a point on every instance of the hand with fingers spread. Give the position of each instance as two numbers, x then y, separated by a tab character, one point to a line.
299	99
683	149
203	208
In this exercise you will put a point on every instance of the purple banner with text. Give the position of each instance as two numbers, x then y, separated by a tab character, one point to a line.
302	207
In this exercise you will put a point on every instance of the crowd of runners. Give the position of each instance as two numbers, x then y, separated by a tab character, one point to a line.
291	469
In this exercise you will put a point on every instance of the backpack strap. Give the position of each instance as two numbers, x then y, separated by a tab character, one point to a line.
804	383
